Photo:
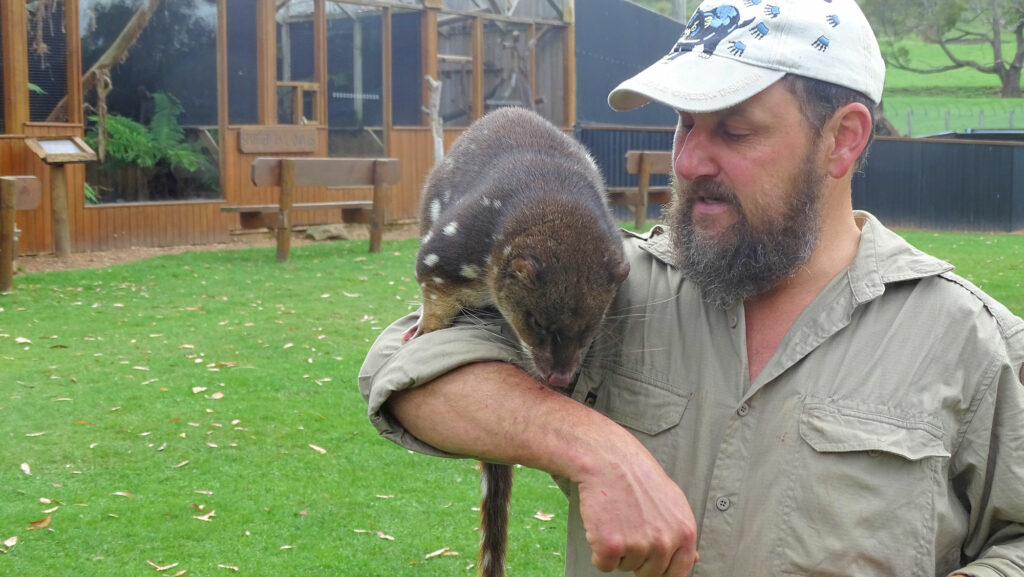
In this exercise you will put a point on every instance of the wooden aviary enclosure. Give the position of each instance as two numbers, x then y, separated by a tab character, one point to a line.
176	124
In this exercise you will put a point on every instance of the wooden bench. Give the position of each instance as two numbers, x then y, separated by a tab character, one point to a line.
16	193
289	173
643	163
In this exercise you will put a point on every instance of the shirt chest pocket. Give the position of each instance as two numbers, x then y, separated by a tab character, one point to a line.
651	409
865	477
830	429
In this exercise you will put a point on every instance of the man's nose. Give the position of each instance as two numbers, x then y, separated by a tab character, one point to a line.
694	155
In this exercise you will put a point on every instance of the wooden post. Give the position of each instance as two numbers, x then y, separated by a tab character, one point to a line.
59	209
284	217
14	44
377	214
643	184
8	202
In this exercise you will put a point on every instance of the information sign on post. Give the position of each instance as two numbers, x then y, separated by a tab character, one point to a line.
56	152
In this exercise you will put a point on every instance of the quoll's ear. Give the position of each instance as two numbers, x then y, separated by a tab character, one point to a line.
621	270
525	268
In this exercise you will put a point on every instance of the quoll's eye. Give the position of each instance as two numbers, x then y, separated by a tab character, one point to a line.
535	324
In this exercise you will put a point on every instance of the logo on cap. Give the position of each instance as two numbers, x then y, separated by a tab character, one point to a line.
708	29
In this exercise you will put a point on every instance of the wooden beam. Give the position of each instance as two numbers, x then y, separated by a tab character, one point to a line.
266	62
329	172
478	67
222	97
428	31
14	43
569	66
320	54
73	53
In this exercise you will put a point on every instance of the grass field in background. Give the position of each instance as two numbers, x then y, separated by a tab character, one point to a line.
964	93
200	410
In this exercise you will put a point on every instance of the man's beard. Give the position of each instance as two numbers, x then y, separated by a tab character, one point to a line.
743	261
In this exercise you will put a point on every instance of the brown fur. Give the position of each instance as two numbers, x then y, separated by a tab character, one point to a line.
515	218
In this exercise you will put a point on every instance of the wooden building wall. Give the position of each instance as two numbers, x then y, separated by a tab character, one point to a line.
113	226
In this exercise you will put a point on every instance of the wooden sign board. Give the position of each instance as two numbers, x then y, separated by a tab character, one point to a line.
68	150
277	139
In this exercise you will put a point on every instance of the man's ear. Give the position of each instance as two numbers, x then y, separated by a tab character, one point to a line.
849	132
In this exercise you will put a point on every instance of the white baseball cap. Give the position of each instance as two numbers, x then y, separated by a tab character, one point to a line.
734	49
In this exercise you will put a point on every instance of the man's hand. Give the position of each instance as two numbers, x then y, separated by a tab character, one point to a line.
637	519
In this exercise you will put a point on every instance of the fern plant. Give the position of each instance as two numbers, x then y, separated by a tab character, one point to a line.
162	143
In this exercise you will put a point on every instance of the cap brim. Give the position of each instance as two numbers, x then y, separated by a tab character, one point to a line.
693	82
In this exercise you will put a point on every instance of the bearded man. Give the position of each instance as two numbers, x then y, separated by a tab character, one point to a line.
783	386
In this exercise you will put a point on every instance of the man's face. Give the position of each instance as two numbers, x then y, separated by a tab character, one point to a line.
749	187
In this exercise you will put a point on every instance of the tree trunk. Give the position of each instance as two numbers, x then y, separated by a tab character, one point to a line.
1010	80
115	54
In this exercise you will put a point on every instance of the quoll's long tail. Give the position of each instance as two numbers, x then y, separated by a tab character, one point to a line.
496	485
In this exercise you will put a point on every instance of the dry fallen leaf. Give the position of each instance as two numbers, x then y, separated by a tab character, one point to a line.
206	517
443	551
232	567
26	469
10	542
40	524
383	536
544	516
283	547
123	494
35	434
217	395
320	450
198	389
162	568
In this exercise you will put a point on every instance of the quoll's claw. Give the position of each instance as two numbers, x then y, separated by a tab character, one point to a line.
411	333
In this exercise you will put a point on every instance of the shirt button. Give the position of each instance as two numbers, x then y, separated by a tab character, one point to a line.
743	410
723	503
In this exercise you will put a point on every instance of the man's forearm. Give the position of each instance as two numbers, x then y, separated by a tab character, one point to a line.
497	412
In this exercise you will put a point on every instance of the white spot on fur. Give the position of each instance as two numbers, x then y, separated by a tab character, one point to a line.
451	229
496	203
431	259
447	195
508	250
433	297
470	271
426	238
435	210
485	201
438	280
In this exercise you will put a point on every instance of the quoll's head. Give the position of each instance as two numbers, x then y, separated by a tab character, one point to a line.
556	307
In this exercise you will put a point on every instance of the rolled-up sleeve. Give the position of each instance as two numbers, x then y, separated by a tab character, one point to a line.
996	489
393	366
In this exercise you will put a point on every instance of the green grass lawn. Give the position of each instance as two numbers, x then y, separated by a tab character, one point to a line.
964	93
201	410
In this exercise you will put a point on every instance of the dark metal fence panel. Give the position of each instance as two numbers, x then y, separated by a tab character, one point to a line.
1017	222
943	185
608	146
615	40
907	183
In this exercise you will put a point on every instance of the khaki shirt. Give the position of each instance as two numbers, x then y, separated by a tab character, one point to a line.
884	438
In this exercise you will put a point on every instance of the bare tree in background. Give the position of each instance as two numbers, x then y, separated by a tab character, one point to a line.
952	24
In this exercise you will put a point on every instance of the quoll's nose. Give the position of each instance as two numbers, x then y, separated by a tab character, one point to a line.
558	379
